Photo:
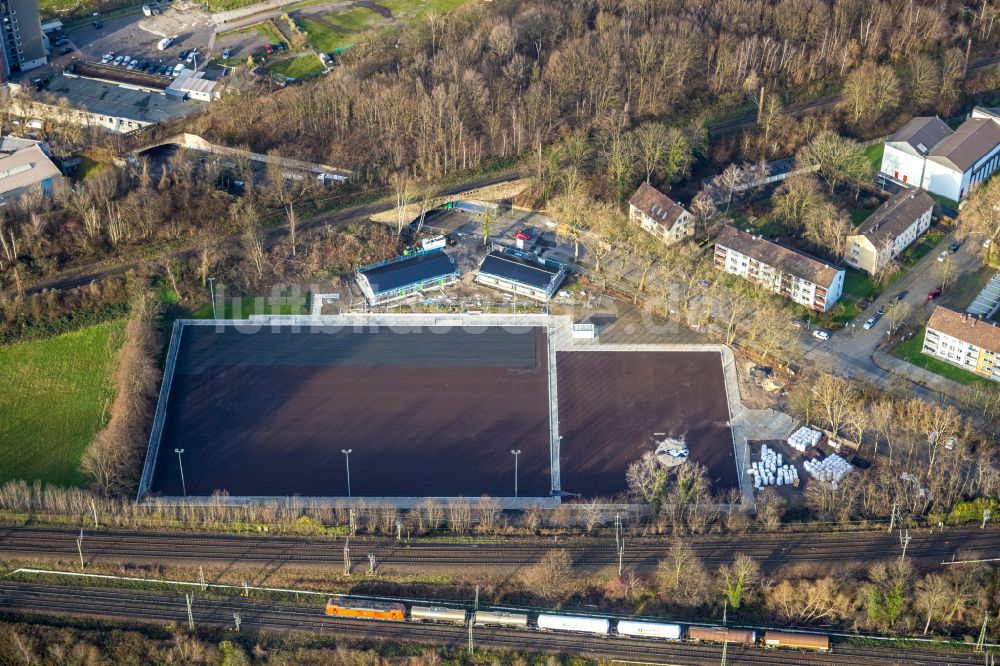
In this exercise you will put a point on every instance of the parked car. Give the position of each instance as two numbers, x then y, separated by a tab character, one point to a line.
953	247
821	334
228	53
66	51
933	293
98	25
280	46
118	60
987	243
268	48
872	321
523	234
108	57
60	42
943	255
183	54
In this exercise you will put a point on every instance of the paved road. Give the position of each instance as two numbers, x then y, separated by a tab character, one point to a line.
852	347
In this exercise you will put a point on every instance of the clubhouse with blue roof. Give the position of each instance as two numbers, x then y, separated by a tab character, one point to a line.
520	273
398	278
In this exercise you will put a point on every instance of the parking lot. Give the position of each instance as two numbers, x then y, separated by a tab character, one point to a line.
137	35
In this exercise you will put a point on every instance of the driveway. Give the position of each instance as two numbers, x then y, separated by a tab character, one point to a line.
852	347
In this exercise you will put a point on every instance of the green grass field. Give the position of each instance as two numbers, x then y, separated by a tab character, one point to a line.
342	29
242	308
909	351
300	67
874	155
56	395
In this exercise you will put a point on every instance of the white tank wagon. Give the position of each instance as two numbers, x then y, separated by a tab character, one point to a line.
649	629
575	623
437	614
501	619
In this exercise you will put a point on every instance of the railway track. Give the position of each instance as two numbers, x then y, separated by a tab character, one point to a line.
770	550
156	608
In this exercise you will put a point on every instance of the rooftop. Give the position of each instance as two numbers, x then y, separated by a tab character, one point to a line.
107	99
966	327
413	269
778	256
895	216
506	266
656	204
10	144
922	133
25	168
973	140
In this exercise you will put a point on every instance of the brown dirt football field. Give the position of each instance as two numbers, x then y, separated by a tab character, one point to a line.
425	412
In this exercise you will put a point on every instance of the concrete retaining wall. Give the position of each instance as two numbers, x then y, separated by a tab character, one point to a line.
161	411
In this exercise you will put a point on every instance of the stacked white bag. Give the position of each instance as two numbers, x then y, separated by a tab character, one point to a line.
831	469
803	438
771	471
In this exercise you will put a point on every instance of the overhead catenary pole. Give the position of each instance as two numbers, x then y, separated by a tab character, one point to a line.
187	598
987	514
905	539
347	558
892	518
79	547
982	632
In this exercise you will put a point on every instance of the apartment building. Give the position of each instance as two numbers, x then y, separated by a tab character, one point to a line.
660	215
795	275
21	37
889	230
964	340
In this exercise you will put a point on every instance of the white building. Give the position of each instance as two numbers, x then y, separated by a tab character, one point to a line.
659	214
519	273
926	153
194	85
964	340
889	230
795	275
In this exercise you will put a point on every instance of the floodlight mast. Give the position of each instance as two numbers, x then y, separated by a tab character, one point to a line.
347	461
515	453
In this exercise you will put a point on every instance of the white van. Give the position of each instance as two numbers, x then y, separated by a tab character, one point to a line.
433	243
146	10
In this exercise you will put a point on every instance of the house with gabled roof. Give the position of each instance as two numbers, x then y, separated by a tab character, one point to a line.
893	227
965	340
660	215
786	271
926	153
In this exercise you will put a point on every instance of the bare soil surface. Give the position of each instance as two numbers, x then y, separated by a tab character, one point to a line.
424	412
613	404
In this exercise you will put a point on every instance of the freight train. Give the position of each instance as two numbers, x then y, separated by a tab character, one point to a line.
598	626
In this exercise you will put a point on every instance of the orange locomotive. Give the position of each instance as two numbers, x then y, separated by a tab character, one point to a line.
364	608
